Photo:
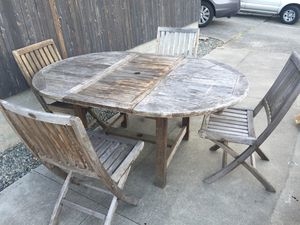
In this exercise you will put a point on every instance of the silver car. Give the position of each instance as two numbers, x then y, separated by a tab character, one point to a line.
217	8
288	10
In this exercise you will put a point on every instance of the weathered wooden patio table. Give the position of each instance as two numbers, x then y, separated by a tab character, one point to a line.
160	87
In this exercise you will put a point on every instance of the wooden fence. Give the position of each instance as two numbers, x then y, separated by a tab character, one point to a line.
86	26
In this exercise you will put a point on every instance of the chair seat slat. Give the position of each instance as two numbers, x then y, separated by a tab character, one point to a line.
243	129
231	118
228	121
221	129
235	133
61	142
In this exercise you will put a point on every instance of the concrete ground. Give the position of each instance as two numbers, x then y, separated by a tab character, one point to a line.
257	47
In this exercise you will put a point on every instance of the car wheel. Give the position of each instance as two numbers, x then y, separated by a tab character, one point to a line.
289	14
206	14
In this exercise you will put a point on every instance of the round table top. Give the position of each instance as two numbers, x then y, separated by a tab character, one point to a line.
143	84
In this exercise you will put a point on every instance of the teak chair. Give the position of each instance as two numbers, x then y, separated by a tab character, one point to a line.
237	125
177	41
61	141
33	58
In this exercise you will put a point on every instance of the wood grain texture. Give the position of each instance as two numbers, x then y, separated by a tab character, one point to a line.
177	41
155	86
237	125
146	85
62	141
86	27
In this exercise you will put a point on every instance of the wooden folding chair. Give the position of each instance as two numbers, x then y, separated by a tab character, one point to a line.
33	58
60	141
236	124
177	41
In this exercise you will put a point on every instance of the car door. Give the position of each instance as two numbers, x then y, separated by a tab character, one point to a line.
261	6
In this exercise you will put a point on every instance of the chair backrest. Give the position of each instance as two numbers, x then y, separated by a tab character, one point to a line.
32	58
177	41
56	139
281	95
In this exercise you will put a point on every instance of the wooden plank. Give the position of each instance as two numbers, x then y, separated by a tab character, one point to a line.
58	28
230	118
48	55
136	135
44	57
36	61
177	41
227	132
62	195
177	141
242	123
161	152
227	128
186	123
31	63
83	27
83	209
101	74
225	124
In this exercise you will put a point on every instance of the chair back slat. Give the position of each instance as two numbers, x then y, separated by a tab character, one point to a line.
281	95
32	58
60	140
177	41
285	88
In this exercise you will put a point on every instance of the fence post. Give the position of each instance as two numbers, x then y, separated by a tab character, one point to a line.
58	29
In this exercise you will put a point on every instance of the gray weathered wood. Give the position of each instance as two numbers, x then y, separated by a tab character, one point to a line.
62	141
220	129
87	26
161	153
148	85
32	59
177	41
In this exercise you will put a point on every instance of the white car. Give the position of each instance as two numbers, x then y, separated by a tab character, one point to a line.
288	10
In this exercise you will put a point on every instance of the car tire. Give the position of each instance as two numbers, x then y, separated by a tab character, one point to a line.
206	14
289	14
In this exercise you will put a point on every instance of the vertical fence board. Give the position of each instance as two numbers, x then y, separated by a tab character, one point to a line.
87	26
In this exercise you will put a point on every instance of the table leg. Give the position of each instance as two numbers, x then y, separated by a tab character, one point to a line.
81	113
161	152
125	120
186	123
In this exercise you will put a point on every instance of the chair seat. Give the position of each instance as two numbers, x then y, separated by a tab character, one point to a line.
115	153
232	124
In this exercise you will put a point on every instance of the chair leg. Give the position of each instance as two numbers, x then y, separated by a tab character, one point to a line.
125	120
126	198
111	211
261	154
252	160
239	159
214	148
224	159
114	201
58	205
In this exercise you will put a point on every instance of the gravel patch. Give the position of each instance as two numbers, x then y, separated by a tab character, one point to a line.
207	44
17	161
